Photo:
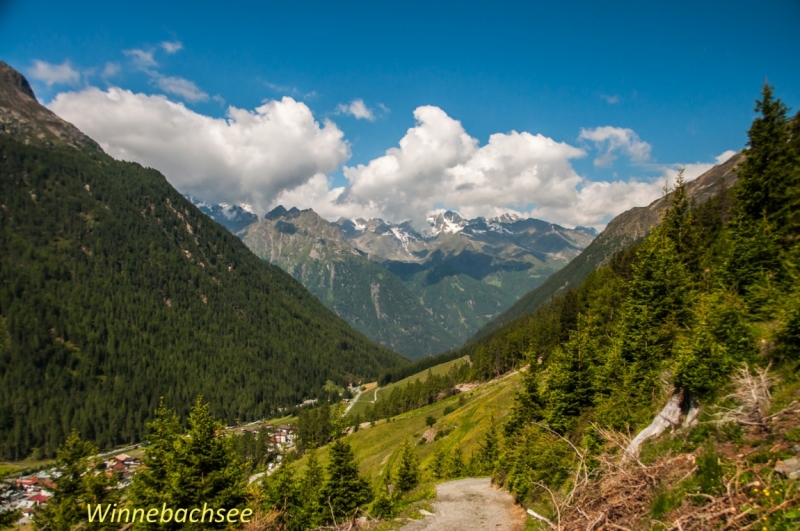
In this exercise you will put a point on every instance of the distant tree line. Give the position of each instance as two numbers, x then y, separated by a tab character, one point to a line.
417	394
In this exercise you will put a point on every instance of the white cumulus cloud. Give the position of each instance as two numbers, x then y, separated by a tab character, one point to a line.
725	156
248	157
279	154
356	108
180	87
613	140
172	46
51	74
141	59
593	203
438	165
320	195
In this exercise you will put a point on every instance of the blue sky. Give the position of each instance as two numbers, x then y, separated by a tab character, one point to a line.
680	77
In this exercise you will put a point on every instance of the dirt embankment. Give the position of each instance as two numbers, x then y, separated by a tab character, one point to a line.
471	504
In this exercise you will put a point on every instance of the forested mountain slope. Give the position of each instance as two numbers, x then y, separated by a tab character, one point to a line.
622	231
116	291
370	298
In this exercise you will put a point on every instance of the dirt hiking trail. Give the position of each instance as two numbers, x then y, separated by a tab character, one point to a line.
471	504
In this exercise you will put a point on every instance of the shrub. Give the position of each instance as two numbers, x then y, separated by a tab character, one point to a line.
709	472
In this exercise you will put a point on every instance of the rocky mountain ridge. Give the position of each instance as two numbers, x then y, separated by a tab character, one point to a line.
419	293
24	118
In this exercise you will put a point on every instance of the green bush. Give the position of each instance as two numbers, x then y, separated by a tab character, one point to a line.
709	472
665	501
732	432
793	435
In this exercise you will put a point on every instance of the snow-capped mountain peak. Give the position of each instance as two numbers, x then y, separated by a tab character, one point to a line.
232	217
447	222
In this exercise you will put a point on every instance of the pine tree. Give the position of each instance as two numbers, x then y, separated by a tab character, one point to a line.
701	362
345	490
8	519
311	488
81	484
767	196
438	465
408	472
188	472
283	500
384	504
530	403
490	449
763	181
149	485
455	465
656	308
570	375
787	337
678	223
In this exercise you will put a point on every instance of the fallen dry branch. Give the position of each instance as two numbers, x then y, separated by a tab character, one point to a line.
621	493
752	397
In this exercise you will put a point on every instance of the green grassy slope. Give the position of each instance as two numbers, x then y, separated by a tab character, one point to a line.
369	397
379	446
440	369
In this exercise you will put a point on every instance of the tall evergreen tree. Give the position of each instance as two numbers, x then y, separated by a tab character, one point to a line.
81	484
311	488
438	464
455	465
489	453
408	472
383	505
283	500
767	196
345	490
188	471
701	362
570	375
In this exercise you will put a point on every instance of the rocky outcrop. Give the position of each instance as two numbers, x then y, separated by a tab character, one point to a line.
24	118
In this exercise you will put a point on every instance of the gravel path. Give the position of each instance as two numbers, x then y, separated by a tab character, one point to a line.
471	504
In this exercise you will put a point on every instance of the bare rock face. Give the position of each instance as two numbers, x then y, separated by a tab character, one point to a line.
23	117
12	78
789	468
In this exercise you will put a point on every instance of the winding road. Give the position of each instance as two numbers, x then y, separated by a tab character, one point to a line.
471	504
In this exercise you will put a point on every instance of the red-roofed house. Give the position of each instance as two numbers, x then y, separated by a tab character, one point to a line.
39	499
